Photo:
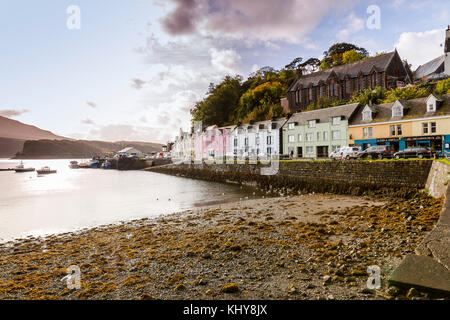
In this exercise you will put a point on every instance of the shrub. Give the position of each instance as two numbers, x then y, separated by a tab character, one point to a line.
406	93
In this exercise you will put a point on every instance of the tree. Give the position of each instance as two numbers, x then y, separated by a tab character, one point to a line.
406	93
334	55
351	56
375	96
222	99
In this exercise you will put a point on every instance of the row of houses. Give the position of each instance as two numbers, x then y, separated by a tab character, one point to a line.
315	134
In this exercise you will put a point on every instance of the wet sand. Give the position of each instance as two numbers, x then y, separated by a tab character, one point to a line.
299	247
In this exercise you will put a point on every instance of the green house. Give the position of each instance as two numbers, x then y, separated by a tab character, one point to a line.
315	134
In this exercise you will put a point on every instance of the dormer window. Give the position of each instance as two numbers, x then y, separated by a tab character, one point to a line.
291	126
311	123
397	109
367	114
432	102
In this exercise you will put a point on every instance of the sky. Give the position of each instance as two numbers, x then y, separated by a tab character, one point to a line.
131	70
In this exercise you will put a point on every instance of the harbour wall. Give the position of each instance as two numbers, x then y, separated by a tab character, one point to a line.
399	178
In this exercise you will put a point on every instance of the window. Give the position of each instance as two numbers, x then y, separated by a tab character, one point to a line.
392	130
297	95
257	141
291	138
399	130
246	142
431	107
336	134
310	94
325	135
321	91
291	126
367	132
269	151
299	137
309	137
347	87
311	123
360	84
425	127
336	120
367	115
433	127
397	111
235	142
309	149
269	140
318	136
335	89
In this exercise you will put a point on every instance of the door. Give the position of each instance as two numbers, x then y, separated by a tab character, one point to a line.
322	152
299	152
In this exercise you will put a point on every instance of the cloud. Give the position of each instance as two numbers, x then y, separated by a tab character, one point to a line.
87	121
420	47
289	20
91	104
353	25
225	60
137	83
127	132
12	112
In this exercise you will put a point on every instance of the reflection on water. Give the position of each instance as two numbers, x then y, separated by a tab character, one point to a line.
79	198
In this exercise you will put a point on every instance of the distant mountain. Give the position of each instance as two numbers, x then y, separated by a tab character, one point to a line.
32	142
14	133
14	129
71	149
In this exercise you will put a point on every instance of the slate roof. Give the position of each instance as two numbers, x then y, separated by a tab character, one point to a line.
433	66
415	108
324	115
380	62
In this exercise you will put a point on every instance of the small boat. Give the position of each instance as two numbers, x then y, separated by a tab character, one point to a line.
74	165
21	168
93	164
46	170
84	165
106	165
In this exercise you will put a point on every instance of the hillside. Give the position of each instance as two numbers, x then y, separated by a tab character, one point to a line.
71	149
14	129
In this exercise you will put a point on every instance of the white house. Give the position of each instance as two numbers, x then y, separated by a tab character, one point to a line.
257	138
130	151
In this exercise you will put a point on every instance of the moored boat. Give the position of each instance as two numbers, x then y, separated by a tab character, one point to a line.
45	170
74	165
106	165
21	168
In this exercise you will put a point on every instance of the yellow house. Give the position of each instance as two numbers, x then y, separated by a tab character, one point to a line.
404	123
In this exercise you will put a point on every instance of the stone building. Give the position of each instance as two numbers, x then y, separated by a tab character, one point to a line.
340	83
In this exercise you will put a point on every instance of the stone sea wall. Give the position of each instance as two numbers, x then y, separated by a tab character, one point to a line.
399	178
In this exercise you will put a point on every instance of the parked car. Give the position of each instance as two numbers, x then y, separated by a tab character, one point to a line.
284	157
348	153
336	154
414	152
376	152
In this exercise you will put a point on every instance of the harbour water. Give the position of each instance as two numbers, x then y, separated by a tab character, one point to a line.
73	199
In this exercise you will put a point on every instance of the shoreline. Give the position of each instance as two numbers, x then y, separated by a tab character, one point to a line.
298	247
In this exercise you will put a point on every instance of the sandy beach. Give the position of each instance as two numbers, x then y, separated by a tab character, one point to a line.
299	247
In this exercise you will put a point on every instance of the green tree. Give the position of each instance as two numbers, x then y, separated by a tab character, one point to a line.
334	55
222	99
364	97
406	93
351	56
443	87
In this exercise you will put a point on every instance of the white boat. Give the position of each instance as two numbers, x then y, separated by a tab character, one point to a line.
74	165
46	170
21	168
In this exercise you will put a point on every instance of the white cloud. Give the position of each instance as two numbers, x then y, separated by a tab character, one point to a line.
225	60
420	47
353	25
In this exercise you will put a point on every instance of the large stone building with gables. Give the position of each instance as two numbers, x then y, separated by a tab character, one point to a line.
341	82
